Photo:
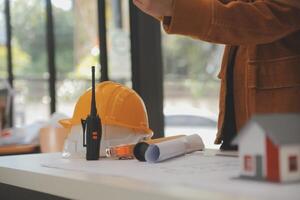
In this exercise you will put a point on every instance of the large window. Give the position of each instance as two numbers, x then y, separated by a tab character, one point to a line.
191	87
77	46
3	53
76	49
29	58
118	39
76	41
46	79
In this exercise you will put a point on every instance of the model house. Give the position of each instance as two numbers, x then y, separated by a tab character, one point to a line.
269	148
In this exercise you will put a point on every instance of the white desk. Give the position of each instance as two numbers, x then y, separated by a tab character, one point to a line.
27	172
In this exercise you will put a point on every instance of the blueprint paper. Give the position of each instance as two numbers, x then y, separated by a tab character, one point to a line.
199	170
193	143
164	150
169	149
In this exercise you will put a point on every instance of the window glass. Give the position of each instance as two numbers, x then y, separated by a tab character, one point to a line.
28	21
77	49
248	163
293	164
3	69
3	59
191	87
118	41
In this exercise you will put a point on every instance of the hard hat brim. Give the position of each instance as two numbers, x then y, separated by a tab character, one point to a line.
68	123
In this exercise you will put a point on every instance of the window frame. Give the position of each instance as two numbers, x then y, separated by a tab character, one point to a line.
9	55
147	71
293	163
248	163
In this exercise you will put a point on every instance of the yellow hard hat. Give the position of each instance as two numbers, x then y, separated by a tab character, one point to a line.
116	104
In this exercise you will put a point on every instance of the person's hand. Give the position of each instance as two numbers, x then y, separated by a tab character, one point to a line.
155	8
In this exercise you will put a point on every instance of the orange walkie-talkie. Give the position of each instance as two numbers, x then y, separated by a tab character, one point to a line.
92	129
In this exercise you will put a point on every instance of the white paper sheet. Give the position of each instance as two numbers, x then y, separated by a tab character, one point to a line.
172	148
197	170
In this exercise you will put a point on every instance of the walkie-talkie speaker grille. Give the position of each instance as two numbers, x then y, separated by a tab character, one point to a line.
116	104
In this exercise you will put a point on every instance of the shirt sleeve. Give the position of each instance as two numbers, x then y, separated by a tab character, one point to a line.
233	22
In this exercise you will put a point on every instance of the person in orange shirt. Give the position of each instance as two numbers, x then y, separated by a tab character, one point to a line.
260	71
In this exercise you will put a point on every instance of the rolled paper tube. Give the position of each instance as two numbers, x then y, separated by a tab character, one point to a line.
193	143
141	147
165	150
173	148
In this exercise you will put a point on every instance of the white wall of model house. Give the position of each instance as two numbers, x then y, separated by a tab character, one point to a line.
253	143
284	153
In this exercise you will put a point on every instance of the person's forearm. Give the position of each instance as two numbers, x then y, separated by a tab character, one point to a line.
233	22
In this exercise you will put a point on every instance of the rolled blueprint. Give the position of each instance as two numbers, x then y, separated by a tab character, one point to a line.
173	148
141	147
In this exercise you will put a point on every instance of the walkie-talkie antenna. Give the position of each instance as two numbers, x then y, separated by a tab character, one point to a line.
93	102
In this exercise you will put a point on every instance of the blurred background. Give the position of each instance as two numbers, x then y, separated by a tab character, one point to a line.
49	72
